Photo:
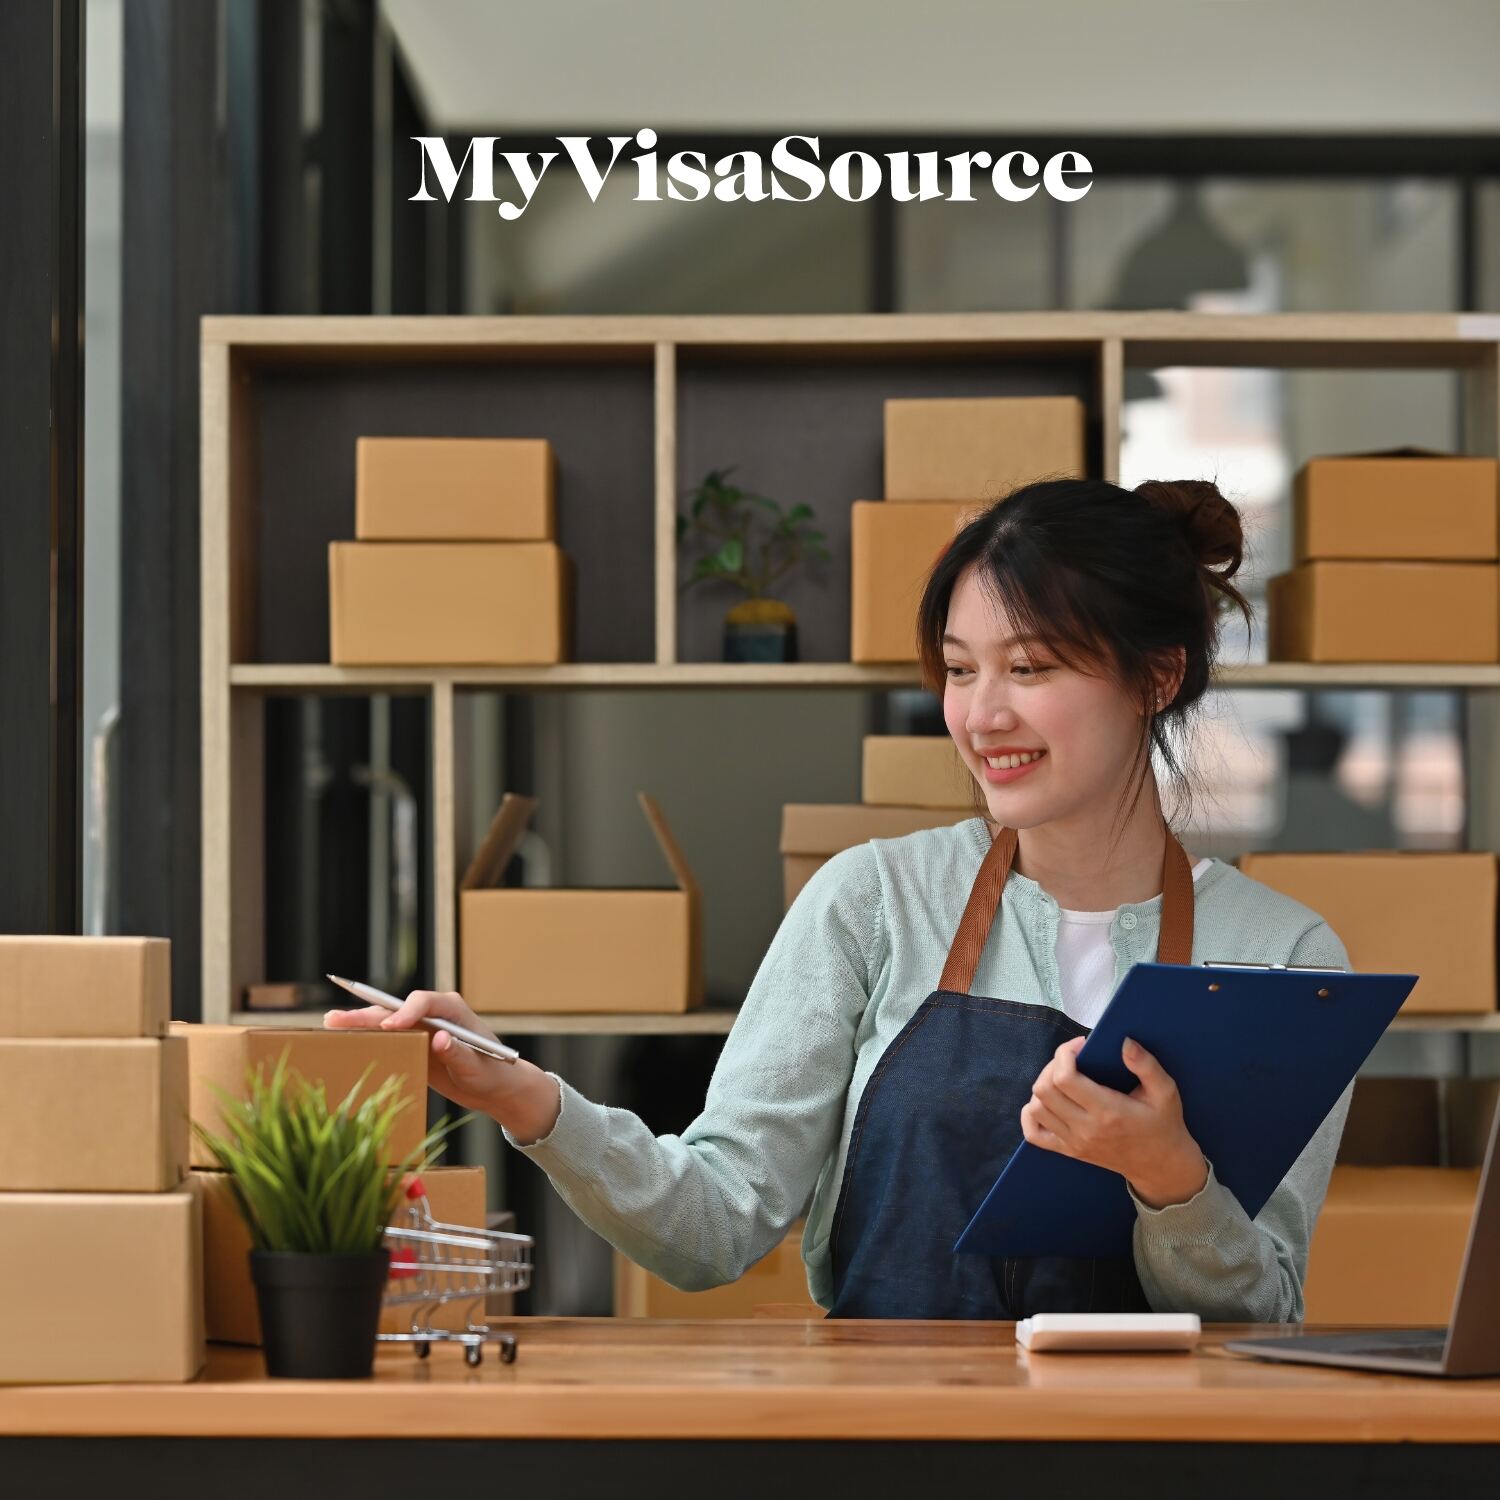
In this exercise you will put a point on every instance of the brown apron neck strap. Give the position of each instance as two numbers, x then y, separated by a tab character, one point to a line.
1174	945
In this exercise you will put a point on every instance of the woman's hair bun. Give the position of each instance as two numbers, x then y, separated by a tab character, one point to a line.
1209	521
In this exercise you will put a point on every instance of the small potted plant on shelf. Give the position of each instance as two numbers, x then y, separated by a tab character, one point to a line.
316	1187
753	541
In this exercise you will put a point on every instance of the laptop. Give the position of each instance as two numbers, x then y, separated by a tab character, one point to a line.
1469	1345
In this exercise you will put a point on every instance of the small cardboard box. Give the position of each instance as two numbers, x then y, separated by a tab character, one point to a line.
454	489
449	604
1388	1245
893	548
778	1277
812	833
1385	612
222	1056
1403	913
104	1286
93	1116
1402	503
561	952
915	770
85	986
979	448
231	1315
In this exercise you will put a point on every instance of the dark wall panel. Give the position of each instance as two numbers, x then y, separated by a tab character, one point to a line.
598	417
812	431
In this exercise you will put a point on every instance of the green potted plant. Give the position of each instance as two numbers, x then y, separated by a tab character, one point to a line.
316	1188
753	541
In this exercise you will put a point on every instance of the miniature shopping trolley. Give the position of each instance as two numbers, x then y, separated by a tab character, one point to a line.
436	1265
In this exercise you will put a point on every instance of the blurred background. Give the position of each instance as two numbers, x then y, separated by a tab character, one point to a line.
255	156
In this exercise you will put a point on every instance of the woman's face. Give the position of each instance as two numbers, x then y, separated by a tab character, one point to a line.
1045	741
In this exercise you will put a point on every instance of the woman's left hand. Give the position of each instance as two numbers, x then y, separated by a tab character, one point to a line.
1140	1135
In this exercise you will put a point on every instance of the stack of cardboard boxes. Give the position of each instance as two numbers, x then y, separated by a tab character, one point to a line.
945	460
908	782
456	562
221	1058
100	1239
1390	1238
1395	561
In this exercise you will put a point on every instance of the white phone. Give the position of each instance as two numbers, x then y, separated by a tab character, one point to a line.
461	1034
1100	1332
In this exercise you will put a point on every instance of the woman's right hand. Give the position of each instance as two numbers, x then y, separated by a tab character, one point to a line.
518	1094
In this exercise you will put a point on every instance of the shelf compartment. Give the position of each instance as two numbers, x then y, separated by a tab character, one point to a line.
294	452
804	423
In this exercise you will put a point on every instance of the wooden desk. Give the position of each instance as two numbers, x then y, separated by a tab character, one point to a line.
741	1406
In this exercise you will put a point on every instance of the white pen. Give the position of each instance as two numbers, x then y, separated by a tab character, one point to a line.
460	1034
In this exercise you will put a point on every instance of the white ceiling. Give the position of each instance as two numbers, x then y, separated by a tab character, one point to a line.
980	66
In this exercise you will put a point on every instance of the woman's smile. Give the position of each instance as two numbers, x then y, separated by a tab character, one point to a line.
1001	769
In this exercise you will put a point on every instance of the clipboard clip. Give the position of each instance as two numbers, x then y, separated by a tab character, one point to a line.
1217	963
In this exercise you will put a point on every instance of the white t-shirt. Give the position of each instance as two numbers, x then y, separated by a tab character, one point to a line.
1086	962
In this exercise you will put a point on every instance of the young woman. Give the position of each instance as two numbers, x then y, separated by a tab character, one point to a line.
919	1009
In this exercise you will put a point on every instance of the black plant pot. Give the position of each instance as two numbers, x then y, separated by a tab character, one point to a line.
772	642
319	1314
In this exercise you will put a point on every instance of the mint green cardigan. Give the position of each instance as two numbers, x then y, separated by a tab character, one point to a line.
859	950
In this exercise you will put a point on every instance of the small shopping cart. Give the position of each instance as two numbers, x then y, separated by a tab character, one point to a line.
436	1265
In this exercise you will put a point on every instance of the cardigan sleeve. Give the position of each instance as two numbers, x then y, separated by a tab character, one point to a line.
700	1208
1209	1256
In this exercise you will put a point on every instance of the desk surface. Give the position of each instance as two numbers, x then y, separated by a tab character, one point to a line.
608	1378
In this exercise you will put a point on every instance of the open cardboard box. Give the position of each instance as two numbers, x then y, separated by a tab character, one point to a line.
561	952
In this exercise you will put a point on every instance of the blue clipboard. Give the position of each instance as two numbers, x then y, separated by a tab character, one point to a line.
1259	1056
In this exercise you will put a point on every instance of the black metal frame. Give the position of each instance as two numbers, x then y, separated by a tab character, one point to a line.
41	459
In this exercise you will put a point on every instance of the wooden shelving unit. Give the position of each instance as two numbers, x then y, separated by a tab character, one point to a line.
643	400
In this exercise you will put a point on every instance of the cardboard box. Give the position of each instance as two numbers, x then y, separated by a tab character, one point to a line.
449	603
222	1057
1406	503
562	952
1385	612
93	1116
915	770
103	1286
811	833
1393	1122
1403	913
779	1277
455	1195
231	1315
454	489
1388	1245
85	986
892	550
979	448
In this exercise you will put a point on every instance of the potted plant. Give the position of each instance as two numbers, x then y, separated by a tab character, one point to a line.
754	541
316	1189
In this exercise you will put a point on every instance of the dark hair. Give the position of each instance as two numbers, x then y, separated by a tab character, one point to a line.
1110	578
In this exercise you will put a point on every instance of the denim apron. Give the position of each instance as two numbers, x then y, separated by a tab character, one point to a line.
940	1117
